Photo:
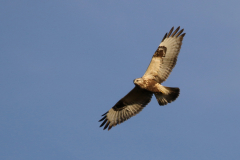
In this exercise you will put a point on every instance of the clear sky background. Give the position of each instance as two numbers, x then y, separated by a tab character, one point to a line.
65	63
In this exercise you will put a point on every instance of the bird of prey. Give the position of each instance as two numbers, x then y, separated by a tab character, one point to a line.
160	67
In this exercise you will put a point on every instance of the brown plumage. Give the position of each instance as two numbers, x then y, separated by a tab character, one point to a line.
160	67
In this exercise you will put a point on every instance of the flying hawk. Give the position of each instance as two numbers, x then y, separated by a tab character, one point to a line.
160	67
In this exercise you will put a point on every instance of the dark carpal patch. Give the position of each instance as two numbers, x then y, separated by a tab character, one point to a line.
160	52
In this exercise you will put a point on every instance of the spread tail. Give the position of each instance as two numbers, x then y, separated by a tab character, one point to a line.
169	96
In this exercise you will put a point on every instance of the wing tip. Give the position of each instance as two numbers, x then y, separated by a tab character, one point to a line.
176	33
105	113
106	123
170	32
183	34
164	37
102	118
103	122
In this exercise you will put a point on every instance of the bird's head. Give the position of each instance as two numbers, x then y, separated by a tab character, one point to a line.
138	81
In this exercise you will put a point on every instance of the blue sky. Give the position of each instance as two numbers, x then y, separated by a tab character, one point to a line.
65	63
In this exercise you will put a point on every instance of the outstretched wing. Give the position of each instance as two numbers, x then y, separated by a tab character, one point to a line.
165	57
127	107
